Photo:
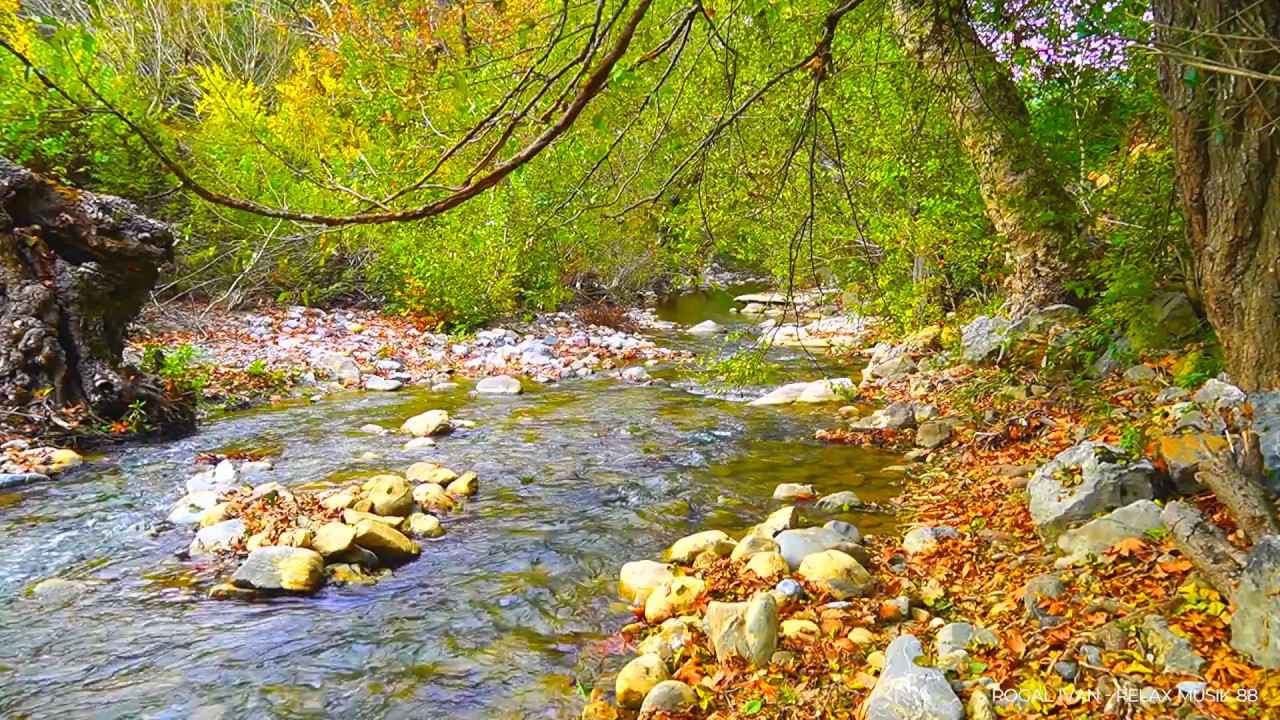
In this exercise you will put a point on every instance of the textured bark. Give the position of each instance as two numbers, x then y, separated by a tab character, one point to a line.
75	268
1025	202
1227	146
1202	542
1239	487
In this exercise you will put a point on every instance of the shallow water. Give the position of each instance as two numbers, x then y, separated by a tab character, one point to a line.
507	615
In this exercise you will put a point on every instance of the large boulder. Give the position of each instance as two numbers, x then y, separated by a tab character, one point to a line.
431	422
499	385
686	549
1082	481
784	395
837	573
1173	320
747	629
390	495
289	569
638	579
1255	626
333	538
1095	536
827	391
907	691
337	367
1182	454
796	545
982	338
637	678
674	598
389	544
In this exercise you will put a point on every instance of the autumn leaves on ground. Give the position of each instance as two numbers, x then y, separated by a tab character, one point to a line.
1015	618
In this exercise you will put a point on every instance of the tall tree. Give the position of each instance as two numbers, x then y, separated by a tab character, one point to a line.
1024	200
1220	77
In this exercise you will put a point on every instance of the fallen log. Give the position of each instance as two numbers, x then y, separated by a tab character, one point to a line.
1203	543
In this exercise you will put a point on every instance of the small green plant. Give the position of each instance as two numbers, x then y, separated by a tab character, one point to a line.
178	367
740	368
257	368
1133	440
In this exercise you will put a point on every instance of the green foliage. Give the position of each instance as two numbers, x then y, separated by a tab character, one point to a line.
178	367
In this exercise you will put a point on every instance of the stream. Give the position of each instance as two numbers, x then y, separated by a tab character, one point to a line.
508	615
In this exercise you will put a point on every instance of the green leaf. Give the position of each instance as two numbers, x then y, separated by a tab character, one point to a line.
753	707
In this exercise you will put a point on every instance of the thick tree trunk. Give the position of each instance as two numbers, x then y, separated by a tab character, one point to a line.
75	268
1226	138
1024	200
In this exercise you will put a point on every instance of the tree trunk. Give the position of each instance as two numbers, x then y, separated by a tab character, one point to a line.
1227	149
1024	200
75	268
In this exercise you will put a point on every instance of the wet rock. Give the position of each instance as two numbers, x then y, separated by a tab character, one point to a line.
636	374
1139	374
961	636
15	479
227	591
256	467
933	434
191	508
840	501
784	395
499	385
637	678
1082	481
333	538
837	573
422	525
793	491
354	516
781	519
431	495
336	367
1171	651
768	565
390	495
281	568
686	549
431	422
58	590
1099	534
639	578
752	544
707	327
465	485
217	537
385	541
419	443
925	539
1182	455
1039	588
907	690
373	429
356	555
221	479
796	545
1255	627
671	696
1216	394
674	598
827	391
377	383
893	416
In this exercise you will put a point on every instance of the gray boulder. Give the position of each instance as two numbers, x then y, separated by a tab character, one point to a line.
1173	652
1139	374
377	383
1266	422
933	434
894	415
337	367
899	365
839	501
962	635
499	385
218	536
982	338
707	327
907	691
1082	481
1218	394
16	479
1255	626
1095	536
795	545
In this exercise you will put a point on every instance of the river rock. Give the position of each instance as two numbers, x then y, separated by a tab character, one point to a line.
281	568
894	416
465	485
784	395
925	539
390	495
837	573
839	501
192	507
793	491
385	541
781	519
337	367
933	434
422	525
377	383
707	327
222	478
217	537
767	565
431	495
752	544
421	472
419	443
352	517
900	365
746	629
1173	652
333	538
431	422
1182	455
796	545
639	578
16	479
982	338
907	691
356	555
1082	481
961	635
674	598
670	696
686	549
1255	630
827	391
636	374
1099	534
637	678
499	385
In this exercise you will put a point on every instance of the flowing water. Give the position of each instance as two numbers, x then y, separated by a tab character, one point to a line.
509	614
